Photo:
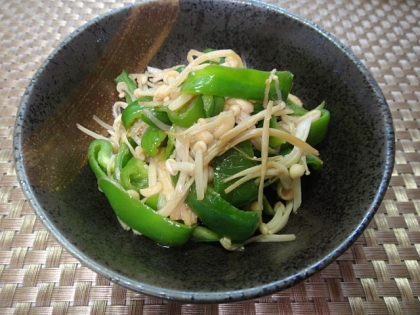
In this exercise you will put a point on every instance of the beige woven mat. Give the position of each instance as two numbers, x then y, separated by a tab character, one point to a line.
380	274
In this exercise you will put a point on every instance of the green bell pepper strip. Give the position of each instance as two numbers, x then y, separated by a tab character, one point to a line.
203	234
221	217
231	162
221	59
99	154
274	142
241	83
188	114
180	69
153	201
135	111
267	208
152	140
319	128
169	148
258	106
131	85
123	156
134	175
213	105
314	163
208	104
297	110
219	105
142	218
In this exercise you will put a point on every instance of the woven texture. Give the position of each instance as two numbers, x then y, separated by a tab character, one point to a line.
379	274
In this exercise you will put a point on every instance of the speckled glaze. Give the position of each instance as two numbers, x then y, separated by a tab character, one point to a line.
75	82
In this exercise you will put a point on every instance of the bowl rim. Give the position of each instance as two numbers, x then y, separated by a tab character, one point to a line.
223	296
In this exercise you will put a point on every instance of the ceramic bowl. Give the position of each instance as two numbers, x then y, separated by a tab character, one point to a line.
76	82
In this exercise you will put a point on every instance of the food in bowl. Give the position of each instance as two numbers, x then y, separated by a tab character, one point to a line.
195	149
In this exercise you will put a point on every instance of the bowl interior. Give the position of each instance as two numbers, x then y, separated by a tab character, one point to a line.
338	201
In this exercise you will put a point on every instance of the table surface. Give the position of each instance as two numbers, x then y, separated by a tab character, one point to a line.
379	274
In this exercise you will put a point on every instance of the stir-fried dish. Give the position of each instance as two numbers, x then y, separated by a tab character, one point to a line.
208	151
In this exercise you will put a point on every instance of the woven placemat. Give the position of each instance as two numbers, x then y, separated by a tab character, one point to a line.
379	274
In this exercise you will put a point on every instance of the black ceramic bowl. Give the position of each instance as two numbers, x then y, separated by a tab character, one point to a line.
76	81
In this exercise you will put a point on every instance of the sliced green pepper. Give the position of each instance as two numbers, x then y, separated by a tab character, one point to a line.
99	154
203	234
213	105
315	163
297	110
242	83
221	59
319	128
134	175
208	104
180	69
219	105
258	106
135	111
188	114
131	85
274	142
152	140
169	148
153	201
231	162
207	50
142	218
267	208
123	156
221	217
